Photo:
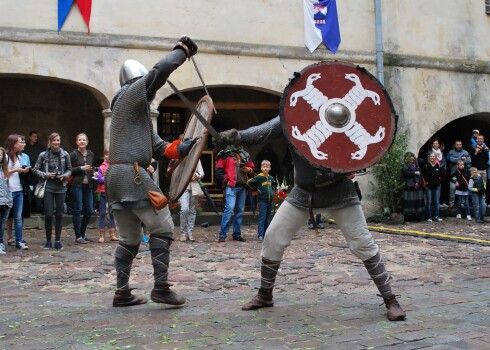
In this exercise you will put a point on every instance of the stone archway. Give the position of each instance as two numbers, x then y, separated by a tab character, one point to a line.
45	104
238	107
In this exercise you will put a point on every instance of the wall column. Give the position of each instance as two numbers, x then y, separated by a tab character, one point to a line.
107	113
154	113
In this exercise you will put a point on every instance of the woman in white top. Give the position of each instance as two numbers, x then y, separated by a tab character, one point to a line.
13	148
188	204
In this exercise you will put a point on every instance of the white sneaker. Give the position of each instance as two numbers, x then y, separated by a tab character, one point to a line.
468	218
438	219
458	216
21	246
444	205
2	249
429	220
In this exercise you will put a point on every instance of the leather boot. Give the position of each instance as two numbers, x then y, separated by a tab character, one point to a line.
393	309
101	235
112	233
126	298
160	258
262	299
163	294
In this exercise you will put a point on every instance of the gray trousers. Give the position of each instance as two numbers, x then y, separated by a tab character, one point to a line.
288	220
128	223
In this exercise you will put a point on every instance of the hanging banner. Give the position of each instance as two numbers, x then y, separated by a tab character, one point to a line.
64	7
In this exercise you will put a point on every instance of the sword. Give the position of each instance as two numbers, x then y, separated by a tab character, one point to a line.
202	81
199	116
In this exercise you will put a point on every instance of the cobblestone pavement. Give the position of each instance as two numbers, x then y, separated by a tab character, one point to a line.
324	298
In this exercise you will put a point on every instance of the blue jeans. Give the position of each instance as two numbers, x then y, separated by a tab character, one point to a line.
4	216
235	204
433	195
479	205
265	208
459	199
17	206
83	198
102	212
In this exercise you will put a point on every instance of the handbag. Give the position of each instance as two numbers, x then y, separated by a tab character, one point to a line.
41	186
158	200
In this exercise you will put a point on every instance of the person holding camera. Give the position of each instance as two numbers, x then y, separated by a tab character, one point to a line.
233	169
82	160
54	167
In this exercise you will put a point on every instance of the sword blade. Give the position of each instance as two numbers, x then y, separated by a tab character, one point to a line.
202	81
189	105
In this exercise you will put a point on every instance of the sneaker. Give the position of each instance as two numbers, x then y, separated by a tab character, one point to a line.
2	249
21	246
239	239
311	226
478	221
144	239
11	242
88	239
438	219
48	245
444	205
429	220
81	240
458	216
190	238
260	239
183	238
58	245
468	217
222	239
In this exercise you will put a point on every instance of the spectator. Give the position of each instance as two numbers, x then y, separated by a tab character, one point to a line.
460	178
475	133
5	197
103	202
479	158
82	161
413	194
453	157
33	149
477	189
188	204
13	148
232	168
26	164
432	174
54	166
265	184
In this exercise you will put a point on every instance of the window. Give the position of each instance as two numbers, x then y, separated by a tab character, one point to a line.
172	125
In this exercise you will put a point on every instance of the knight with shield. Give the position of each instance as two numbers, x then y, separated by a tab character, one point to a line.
337	118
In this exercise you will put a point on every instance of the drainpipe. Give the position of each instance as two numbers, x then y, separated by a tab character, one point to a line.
379	42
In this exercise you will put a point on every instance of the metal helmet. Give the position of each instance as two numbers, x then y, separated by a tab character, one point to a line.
131	69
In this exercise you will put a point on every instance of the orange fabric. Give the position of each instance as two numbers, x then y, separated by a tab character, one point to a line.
171	151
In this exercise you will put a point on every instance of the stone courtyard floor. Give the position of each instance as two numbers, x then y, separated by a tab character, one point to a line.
324	298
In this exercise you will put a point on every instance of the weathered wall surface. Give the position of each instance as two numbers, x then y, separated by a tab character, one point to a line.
436	52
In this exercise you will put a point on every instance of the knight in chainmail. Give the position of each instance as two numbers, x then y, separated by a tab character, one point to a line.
133	145
314	188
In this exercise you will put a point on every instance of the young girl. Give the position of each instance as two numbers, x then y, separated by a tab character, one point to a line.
5	197
55	166
102	206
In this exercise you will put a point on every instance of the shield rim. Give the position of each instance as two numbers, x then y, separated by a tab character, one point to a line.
198	145
285	96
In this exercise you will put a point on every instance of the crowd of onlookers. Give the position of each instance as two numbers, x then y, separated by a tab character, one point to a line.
456	179
69	179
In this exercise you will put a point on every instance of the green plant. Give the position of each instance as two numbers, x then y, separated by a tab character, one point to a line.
388	185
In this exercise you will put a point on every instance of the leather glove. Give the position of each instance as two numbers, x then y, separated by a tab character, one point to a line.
185	146
228	137
189	46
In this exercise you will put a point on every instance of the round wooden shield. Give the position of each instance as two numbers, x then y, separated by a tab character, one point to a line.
338	116
182	174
